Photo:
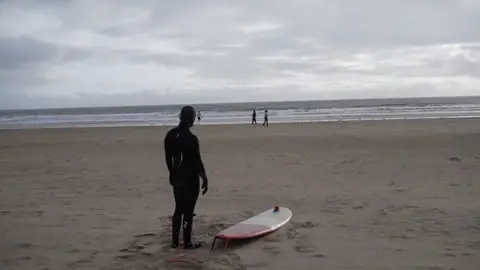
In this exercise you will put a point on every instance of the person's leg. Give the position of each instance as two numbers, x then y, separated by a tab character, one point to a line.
192	193
179	195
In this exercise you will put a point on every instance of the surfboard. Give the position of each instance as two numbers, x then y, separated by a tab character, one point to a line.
256	226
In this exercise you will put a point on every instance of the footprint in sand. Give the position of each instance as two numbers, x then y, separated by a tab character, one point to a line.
217	227
292	233
273	238
235	260
448	255
304	248
302	245
229	261
474	245
271	249
455	159
304	225
24	245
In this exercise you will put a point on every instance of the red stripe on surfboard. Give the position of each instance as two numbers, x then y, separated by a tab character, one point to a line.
241	231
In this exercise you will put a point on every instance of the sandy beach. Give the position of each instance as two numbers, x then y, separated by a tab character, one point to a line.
364	195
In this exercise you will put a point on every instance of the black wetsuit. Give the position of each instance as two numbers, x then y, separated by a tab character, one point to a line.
182	154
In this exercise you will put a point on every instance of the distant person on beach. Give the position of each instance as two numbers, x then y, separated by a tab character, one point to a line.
265	120
199	116
185	167
254	117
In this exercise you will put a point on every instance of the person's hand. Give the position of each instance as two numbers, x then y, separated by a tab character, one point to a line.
204	178
204	187
174	177
171	178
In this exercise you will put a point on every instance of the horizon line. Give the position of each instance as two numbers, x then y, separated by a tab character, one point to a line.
239	102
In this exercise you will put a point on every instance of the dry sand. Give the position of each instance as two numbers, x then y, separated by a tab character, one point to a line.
364	195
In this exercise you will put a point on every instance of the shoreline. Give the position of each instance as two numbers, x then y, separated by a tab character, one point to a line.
259	123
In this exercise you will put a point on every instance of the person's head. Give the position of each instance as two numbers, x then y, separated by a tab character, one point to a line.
187	115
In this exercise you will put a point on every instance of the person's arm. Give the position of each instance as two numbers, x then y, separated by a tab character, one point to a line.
200	166
168	152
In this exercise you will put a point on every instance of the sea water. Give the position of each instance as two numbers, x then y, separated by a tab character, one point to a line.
238	113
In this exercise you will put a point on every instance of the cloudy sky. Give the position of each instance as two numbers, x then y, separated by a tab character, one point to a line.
62	53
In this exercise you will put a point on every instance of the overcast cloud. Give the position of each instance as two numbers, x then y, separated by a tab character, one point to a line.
62	53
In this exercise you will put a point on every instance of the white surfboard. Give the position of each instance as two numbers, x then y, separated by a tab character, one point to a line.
256	226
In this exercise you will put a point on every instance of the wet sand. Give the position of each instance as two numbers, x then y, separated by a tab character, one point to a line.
364	195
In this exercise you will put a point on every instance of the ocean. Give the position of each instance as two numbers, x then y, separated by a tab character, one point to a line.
238	113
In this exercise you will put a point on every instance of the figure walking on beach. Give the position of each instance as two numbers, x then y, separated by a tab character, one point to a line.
254	117
185	166
265	120
199	116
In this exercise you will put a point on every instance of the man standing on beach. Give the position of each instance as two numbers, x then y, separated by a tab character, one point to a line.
254	117
185	166
265	121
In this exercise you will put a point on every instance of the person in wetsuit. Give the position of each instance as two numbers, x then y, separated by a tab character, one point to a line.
185	166
254	117
199	117
265	118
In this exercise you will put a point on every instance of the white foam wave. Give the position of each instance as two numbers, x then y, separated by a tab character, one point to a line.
231	117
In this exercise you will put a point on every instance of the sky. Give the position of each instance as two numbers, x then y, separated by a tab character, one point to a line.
75	53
